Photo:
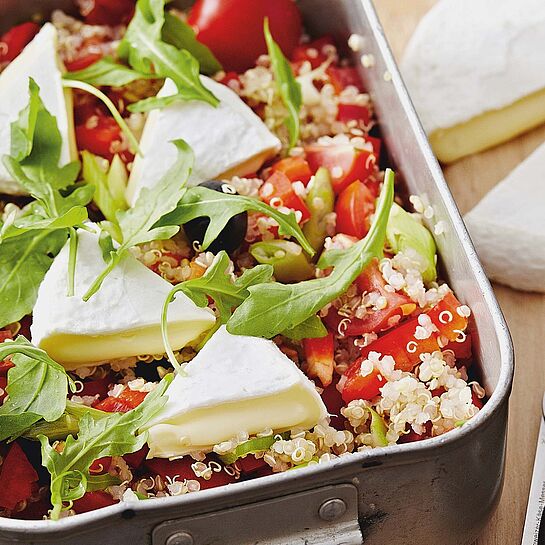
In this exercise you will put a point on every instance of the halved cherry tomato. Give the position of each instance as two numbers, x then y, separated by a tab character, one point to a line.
342	77
356	386
354	207
102	136
315	52
123	403
106	12
3	392
15	40
93	500
319	354
397	306
295	168
182	468
346	164
82	62
278	187
233	29
354	112
17	478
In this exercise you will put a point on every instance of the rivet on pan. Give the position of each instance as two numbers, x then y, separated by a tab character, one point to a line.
180	538
331	510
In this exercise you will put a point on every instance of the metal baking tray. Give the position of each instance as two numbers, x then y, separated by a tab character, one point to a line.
440	491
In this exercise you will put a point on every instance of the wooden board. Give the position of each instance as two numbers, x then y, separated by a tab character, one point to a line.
469	179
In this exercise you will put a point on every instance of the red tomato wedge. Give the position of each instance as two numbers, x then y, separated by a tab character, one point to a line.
345	163
182	469
233	29
15	40
123	403
354	207
93	500
295	168
354	112
319	354
361	387
17	478
82	62
102	136
315	52
342	77
397	306
279	191
106	12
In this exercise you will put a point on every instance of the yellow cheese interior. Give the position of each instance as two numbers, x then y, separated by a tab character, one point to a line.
72	350
489	129
201	429
253	164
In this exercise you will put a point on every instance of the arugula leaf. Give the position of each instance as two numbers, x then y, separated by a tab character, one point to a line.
288	87
109	183
404	232
200	201
37	388
146	52
311	328
181	35
24	260
153	103
137	225
107	72
275	308
217	283
113	435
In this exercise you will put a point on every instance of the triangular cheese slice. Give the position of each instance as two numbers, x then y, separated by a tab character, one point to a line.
235	384
475	70
122	319
508	226
227	140
38	60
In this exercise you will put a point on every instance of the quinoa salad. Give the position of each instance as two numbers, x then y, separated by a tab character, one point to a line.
208	273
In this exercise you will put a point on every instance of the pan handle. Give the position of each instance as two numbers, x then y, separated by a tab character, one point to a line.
323	516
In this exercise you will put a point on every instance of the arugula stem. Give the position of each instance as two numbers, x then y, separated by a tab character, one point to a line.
164	328
95	286
74	84
72	261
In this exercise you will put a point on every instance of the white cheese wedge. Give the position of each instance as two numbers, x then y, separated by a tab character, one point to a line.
475	70
39	60
122	319
508	226
227	140
235	384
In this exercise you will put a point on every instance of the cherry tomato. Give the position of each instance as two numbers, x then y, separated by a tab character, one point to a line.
356	386
354	112
93	500
233	29
182	468
123	403
15	40
106	12
397	306
82	62
319	354
354	208
346	164
315	52
278	189
102	136
295	168
17	478
343	77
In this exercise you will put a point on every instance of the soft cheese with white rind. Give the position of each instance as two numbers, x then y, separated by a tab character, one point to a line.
39	60
235	384
121	320
508	226
227	140
475	71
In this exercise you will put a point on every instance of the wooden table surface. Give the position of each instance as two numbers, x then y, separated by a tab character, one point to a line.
469	179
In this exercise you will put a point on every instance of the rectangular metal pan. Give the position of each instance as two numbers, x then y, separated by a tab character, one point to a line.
438	492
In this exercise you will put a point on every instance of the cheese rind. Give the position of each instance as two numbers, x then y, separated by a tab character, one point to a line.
39	60
227	140
508	226
121	320
469	57
235	384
